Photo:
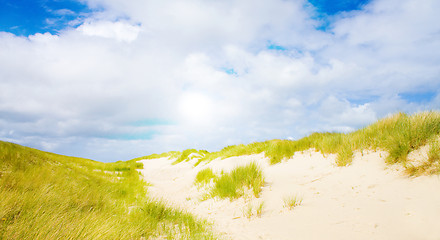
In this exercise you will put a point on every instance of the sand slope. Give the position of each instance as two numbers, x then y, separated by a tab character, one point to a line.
366	200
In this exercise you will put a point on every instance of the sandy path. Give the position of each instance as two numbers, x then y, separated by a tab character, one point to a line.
363	201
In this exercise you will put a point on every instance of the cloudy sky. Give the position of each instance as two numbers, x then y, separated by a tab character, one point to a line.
117	79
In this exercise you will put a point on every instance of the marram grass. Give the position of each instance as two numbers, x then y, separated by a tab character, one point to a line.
185	155
205	176
290	202
398	134
49	196
233	185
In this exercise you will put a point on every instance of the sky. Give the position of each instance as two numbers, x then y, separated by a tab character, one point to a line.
113	80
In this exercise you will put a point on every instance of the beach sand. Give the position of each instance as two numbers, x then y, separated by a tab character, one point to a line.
366	200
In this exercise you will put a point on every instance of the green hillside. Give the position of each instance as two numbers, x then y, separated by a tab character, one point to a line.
398	134
49	196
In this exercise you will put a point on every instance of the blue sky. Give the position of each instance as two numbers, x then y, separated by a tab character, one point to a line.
332	7
113	80
27	17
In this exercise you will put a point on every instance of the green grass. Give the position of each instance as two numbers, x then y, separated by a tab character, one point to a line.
232	185
235	150
291	202
431	165
250	210
398	134
205	176
185	155
49	196
259	209
171	154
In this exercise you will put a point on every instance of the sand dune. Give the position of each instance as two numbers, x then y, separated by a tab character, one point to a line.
367	200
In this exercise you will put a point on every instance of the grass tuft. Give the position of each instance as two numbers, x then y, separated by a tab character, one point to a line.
249	210
431	165
291	202
260	208
205	176
233	185
345	155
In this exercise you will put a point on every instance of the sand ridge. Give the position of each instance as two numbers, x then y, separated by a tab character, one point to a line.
367	200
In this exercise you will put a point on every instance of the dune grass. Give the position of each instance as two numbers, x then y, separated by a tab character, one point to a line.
49	196
234	150
171	154
431	165
250	210
398	134
177	156
185	155
232	185
290	202
205	176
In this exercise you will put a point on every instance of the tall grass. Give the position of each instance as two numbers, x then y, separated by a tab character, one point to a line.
49	196
232	185
185	155
399	134
171	154
205	176
431	165
235	150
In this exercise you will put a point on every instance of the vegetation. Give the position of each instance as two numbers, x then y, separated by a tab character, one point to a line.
178	157
234	184
249	210
49	196
171	154
205	176
186	155
291	202
431	165
260	208
398	134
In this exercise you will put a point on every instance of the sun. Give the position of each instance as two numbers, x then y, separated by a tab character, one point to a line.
196	108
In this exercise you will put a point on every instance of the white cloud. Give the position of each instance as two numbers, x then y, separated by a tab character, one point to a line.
120	31
199	74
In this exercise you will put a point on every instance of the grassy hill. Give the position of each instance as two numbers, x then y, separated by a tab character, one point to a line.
49	196
397	134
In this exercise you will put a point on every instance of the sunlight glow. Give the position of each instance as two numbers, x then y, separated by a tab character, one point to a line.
196	108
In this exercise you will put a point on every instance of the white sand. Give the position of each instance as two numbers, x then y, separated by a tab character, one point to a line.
366	200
